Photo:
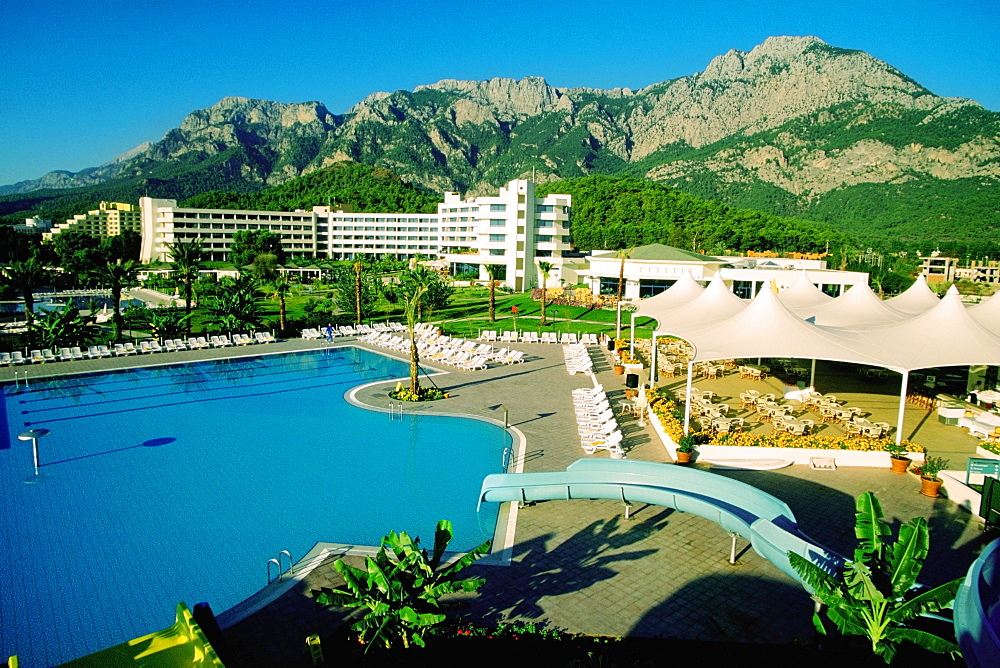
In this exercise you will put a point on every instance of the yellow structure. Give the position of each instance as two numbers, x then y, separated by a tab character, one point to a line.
109	220
182	645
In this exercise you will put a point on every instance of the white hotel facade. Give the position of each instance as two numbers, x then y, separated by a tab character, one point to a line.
513	229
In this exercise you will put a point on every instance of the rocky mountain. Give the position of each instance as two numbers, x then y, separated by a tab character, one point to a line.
86	177
795	126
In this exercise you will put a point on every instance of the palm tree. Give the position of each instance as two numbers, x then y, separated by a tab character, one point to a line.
280	288
187	260
623	255
874	596
63	328
26	276
116	276
358	267
400	587
237	307
413	290
492	270
546	269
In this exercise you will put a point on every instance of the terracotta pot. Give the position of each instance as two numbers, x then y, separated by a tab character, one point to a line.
899	465
930	487
683	457
619	369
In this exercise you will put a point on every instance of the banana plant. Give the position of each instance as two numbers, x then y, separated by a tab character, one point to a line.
401	587
875	596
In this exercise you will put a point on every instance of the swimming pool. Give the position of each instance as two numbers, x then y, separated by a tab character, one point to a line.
178	483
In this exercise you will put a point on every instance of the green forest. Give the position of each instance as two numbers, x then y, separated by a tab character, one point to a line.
358	187
620	212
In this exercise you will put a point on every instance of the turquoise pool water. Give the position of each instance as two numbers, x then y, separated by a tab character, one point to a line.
178	483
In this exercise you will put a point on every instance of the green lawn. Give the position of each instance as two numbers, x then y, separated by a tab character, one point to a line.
466	314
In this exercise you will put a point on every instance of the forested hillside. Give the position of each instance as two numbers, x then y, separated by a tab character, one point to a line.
359	187
621	212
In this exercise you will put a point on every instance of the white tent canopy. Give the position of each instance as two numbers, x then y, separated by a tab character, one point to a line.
767	328
858	307
714	304
803	293
987	314
681	293
946	335
915	299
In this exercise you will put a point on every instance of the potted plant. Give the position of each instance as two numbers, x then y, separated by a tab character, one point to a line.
898	459
685	448
930	483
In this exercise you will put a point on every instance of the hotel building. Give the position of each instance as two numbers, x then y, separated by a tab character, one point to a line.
109	220
513	230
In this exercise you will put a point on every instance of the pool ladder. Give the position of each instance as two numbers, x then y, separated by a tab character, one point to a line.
16	378
277	562
395	410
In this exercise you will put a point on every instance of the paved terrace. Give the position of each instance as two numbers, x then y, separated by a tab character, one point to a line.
579	565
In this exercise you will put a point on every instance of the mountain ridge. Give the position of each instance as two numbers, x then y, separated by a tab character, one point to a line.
784	125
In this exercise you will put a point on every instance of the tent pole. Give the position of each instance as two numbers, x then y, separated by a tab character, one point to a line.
902	406
812	375
652	363
631	337
687	401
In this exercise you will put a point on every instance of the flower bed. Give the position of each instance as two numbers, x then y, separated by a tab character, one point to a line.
988	450
422	394
669	424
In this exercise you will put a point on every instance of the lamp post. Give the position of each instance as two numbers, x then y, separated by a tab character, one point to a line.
506	413
33	435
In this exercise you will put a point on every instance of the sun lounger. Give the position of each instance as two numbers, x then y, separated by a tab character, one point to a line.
5	359
48	356
36	357
478	362
516	357
77	353
16	358
154	346
145	348
104	350
180	345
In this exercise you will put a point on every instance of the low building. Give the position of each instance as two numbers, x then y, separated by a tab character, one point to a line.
651	269
34	226
109	220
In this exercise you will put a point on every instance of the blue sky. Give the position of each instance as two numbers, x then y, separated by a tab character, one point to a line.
81	82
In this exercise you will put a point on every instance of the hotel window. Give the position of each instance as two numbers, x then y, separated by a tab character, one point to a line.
498	207
495	222
496	251
497	237
543	208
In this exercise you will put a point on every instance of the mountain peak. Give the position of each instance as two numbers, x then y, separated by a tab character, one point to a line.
243	110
